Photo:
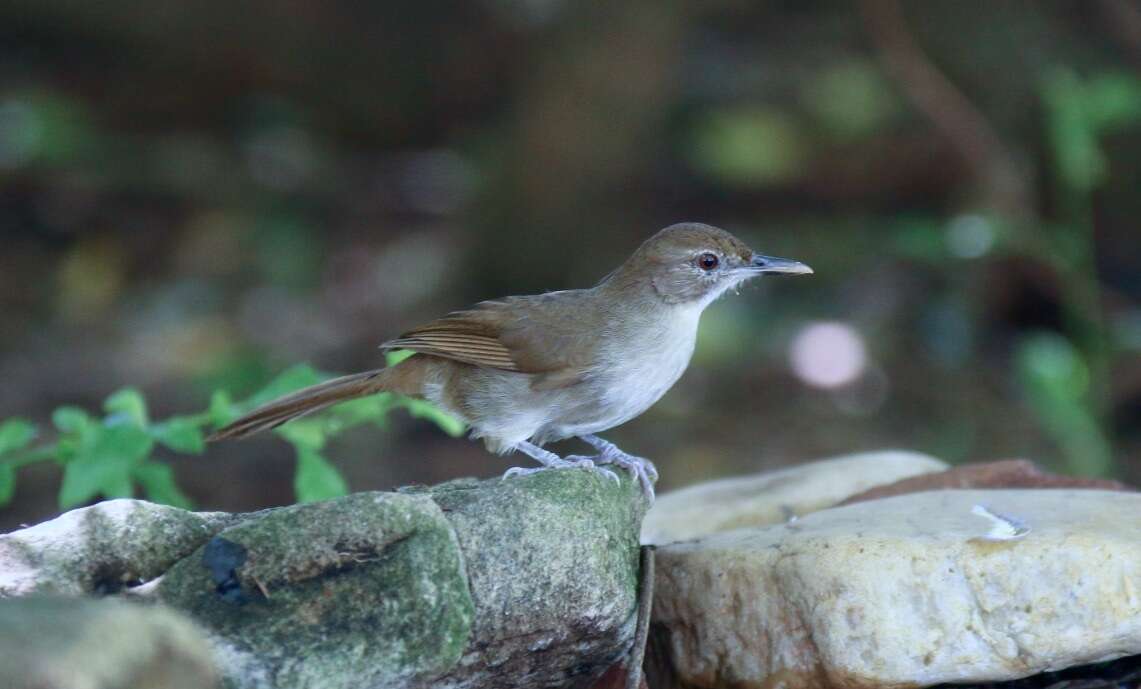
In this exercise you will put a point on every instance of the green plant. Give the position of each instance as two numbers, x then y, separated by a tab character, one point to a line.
112	454
1056	379
1067	379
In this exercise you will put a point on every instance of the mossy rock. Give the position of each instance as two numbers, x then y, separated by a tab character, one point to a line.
359	591
552	559
524	582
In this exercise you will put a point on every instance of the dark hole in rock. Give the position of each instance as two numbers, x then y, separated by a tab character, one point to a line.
581	669
110	578
223	558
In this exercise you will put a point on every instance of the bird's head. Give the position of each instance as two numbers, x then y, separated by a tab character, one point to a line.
692	263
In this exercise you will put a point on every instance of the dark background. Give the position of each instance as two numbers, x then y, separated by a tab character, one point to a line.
195	196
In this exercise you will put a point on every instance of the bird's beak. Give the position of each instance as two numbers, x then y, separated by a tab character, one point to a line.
783	266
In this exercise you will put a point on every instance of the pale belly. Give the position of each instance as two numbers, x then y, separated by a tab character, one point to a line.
503	409
620	393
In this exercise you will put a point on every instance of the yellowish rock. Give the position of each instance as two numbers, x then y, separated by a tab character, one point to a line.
773	497
915	590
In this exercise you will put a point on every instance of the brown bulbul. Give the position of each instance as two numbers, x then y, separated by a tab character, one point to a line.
524	371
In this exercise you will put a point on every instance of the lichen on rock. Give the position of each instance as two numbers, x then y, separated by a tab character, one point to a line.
552	559
101	549
529	581
514	583
371	583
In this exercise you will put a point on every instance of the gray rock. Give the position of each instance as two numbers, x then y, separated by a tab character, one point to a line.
367	590
552	559
101	549
519	583
68	643
920	589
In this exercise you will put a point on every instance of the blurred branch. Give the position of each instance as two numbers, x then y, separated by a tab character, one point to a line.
952	113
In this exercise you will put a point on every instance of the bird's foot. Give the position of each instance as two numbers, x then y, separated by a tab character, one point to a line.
550	460
640	468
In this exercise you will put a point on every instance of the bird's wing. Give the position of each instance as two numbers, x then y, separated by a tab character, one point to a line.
541	334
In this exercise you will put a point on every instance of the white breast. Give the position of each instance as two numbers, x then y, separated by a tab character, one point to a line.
643	369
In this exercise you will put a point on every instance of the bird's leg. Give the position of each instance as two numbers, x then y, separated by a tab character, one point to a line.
640	467
550	460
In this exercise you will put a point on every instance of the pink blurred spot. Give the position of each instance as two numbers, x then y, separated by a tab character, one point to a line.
828	355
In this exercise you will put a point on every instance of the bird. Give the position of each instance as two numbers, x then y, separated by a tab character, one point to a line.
524	371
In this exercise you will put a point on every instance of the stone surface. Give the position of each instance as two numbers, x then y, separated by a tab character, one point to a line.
904	591
360	591
69	643
552	559
1006	473
101	549
774	497
518	583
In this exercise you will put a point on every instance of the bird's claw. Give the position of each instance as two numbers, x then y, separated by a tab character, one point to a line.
521	471
608	453
640	468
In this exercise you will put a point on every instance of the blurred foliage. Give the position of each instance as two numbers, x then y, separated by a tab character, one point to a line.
192	202
1079	114
1068	382
749	147
107	457
1057	381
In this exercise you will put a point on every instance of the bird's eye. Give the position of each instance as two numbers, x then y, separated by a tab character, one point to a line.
708	261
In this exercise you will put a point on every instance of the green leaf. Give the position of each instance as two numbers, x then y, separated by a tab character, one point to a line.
316	479
83	480
130	444
128	404
180	435
304	433
70	419
16	434
7	483
1056	381
1051	367
76	429
1072	129
158	483
1114	100
420	409
221	410
395	356
372	409
295	378
102	464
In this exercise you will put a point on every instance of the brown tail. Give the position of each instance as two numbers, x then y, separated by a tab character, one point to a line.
306	401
